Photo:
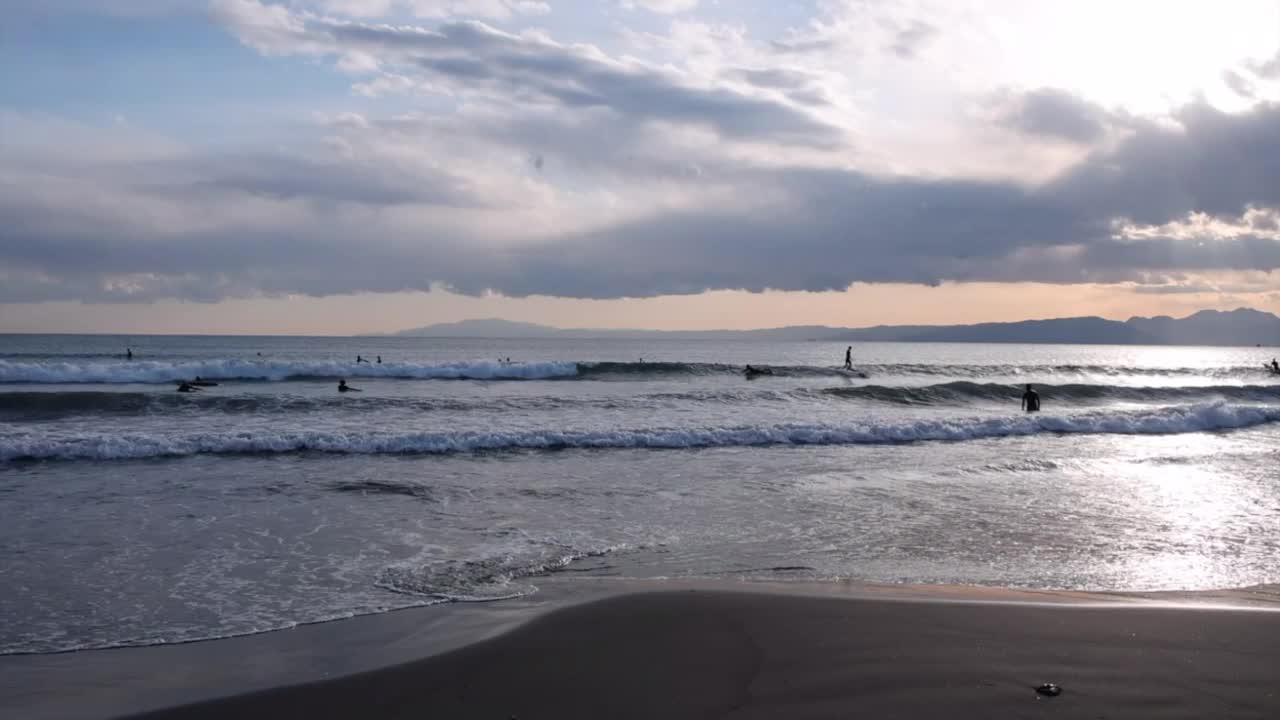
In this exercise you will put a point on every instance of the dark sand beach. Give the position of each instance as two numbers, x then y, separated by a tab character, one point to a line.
710	653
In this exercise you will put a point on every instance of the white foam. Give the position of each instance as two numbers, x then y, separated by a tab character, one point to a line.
274	370
1166	420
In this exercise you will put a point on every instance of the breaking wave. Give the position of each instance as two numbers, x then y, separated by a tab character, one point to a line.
960	392
50	405
486	579
274	371
156	372
1162	420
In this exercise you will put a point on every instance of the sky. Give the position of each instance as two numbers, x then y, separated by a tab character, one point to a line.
352	166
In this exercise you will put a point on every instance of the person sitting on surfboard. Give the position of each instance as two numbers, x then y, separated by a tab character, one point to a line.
1030	400
344	387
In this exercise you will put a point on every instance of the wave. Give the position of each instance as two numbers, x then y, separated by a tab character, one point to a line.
1164	420
960	392
492	578
154	372
151	372
52	405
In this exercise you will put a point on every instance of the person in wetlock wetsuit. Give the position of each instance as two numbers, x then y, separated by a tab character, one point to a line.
1031	400
848	358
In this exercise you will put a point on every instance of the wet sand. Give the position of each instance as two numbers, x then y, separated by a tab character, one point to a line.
715	653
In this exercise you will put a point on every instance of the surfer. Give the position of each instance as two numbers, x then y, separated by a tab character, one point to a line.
848	358
379	359
360	360
128	353
1275	366
344	387
185	386
752	372
1030	400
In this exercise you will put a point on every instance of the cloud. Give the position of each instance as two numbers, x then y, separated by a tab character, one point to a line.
1239	84
436	9
780	228
1052	113
471	58
910	40
667	7
546	168
1269	68
863	29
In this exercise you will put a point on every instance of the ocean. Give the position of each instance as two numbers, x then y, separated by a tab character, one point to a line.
133	514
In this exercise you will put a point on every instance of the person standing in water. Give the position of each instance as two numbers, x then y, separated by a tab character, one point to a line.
379	359
128	353
848	358
1275	366
1031	400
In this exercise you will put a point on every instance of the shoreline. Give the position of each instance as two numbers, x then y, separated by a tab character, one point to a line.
121	682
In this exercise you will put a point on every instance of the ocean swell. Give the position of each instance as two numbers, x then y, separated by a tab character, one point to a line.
1162	420
274	370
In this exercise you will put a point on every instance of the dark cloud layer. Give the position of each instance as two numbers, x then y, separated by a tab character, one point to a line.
799	229
822	230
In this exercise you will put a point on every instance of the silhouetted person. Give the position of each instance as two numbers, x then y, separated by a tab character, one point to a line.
128	353
185	386
848	358
1030	400
360	360
1275	366
379	359
344	387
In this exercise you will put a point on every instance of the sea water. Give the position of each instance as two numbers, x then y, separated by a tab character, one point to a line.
134	514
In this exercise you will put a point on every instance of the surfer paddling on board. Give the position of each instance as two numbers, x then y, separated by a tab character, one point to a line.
848	358
1031	400
185	386
344	387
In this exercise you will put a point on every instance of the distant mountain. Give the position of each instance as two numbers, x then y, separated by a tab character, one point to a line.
495	328
1208	327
